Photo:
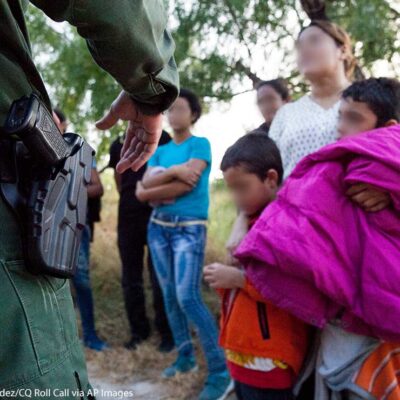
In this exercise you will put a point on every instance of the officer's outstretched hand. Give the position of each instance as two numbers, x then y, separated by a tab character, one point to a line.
142	134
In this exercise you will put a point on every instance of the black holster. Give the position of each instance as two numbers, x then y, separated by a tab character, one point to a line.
50	204
47	194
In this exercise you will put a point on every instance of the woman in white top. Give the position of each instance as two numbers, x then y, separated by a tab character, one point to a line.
326	61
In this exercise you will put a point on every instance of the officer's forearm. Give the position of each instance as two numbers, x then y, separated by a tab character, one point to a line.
129	40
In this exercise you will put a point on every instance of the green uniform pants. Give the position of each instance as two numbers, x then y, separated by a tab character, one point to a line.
40	352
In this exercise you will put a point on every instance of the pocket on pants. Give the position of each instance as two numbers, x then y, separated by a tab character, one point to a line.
194	237
42	322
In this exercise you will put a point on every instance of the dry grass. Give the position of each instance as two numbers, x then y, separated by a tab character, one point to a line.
146	363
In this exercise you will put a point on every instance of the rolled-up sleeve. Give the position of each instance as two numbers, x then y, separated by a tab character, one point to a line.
129	40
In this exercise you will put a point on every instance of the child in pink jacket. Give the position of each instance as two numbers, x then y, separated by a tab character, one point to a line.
314	253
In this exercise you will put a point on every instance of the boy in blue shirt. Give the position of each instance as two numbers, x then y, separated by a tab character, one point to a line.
177	180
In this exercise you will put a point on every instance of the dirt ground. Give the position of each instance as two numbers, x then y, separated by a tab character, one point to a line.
137	373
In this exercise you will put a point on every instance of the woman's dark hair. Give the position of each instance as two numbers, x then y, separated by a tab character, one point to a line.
315	9
279	85
194	103
256	153
382	95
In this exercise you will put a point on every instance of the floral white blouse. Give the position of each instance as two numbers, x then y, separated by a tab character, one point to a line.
301	128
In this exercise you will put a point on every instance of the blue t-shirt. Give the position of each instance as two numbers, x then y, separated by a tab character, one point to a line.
195	203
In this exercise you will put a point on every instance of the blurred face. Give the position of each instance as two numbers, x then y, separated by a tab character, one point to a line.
62	126
251	194
180	116
355	117
269	101
318	55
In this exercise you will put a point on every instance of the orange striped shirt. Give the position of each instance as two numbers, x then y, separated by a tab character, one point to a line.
380	372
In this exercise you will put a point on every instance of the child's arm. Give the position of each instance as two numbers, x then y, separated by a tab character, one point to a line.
152	180
188	173
95	187
162	193
220	276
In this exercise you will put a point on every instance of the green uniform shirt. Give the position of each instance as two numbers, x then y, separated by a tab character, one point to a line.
127	38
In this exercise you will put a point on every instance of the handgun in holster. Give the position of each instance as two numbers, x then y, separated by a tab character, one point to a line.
46	186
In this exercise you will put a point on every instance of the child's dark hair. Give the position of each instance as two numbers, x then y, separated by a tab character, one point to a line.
256	153
60	114
382	95
279	85
194	103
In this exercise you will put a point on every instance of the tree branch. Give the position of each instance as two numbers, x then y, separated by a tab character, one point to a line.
239	27
239	66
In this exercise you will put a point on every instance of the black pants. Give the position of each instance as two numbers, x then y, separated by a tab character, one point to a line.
245	392
132	233
307	389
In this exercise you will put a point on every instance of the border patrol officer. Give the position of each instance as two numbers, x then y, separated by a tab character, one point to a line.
39	345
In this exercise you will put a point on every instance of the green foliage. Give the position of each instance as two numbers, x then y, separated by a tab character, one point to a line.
374	25
81	88
216	41
222	215
223	47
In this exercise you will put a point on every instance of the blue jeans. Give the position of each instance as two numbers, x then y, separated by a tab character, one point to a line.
178	254
82	285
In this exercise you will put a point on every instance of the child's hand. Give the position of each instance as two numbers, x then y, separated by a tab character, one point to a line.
140	190
369	197
186	174
232	261
220	276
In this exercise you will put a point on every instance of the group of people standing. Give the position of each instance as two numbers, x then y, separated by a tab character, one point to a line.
310	298
264	349
291	188
267	346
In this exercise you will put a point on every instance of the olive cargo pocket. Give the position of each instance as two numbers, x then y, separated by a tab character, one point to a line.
45	311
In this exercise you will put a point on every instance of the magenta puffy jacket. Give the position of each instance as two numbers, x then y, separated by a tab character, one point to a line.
318	255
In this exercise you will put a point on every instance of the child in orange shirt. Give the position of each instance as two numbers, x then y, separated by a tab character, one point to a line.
265	346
